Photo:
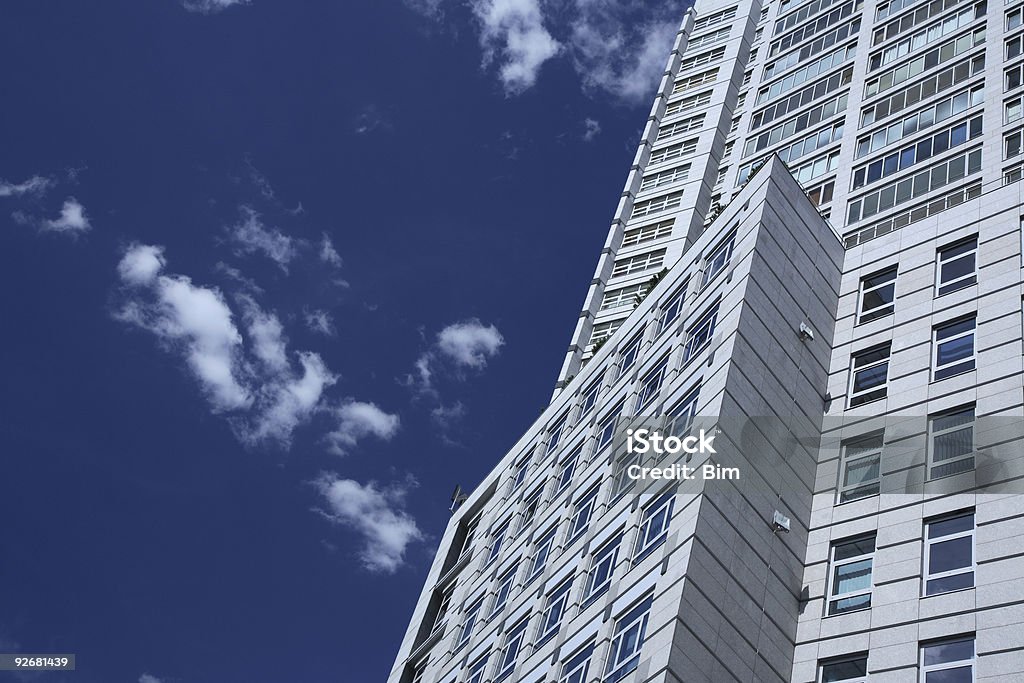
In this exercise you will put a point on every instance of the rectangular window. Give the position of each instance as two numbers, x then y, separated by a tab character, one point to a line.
442	609
846	670
519	471
470	615
680	417
576	668
957	266
530	505
648	233
877	295
938	55
675	151
653	526
925	36
688	103
505	583
813	27
923	89
860	470
509	653
497	538
477	670
700	333
672	175
602	564
717	259
588	399
677	128
554	609
624	296
714	19
953	345
582	512
695	81
555	432
542	552
814	91
418	671
670	309
951	442
869	377
604	330
469	532
627	639
801	76
566	469
850	579
913	215
948	661
656	204
701	59
630	352
942	110
607	427
639	263
620	472
949	554
650	385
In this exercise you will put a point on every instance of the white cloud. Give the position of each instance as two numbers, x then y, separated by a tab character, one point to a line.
266	335
470	343
149	678
287	401
512	33
328	253
252	236
72	218
196	320
376	514
320	322
357	420
210	6
36	185
141	264
447	416
591	129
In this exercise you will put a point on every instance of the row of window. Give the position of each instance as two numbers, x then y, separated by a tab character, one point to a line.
709	38
801	76
926	36
807	30
799	123
800	148
694	81
658	204
911	19
950	660
686	125
801	98
913	215
810	49
648	233
888	9
805	11
688	103
714	19
922	90
673	151
920	120
702	59
932	58
919	184
925	149
666	177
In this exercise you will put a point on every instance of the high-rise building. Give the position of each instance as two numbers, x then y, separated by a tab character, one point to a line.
818	252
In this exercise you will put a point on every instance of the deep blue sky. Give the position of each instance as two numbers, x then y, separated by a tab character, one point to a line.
144	527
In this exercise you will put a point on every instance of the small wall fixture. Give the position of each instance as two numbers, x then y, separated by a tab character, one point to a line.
780	522
806	333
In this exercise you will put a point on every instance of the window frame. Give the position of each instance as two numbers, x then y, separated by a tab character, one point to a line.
497	540
833	597
846	490
937	433
925	669
515	636
470	617
620	661
704	324
606	555
545	542
865	396
506	580
579	661
926	574
822	665
558	596
960	282
958	366
651	383
878	311
724	247
587	502
653	528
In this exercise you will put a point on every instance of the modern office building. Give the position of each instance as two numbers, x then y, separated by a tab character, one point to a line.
818	251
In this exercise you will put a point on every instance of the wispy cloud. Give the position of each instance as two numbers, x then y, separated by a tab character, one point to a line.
591	129
356	420
149	678
211	6
251	236
36	186
370	119
470	343
328	254
376	513
513	35
319	321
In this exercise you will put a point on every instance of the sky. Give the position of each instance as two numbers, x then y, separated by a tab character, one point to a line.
275	276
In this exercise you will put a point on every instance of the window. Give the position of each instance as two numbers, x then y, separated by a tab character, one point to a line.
620	473
853	670
470	615
582	512
624	296
442	609
648	232
688	103
566	469
911	95
662	203
722	172
701	59
680	417
627	639
670	309
937	113
575	669
602	564
496	540
477	669
949	554
927	35
805	11
870	375
877	294
714	19
672	175
542	552
420	670
674	151
639	263
717	259
530	504
604	330
802	97
948	661
801	76
812	27
933	57
607	427
913	214
1014	18
554	610
513	643
650	385
672	130
653	526
520	470
860	469
630	352
695	81
954	348
850	580
505	582
958	266
555	432
469	531
588	399
951	442
700	333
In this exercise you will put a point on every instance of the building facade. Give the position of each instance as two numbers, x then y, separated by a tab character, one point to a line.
819	250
